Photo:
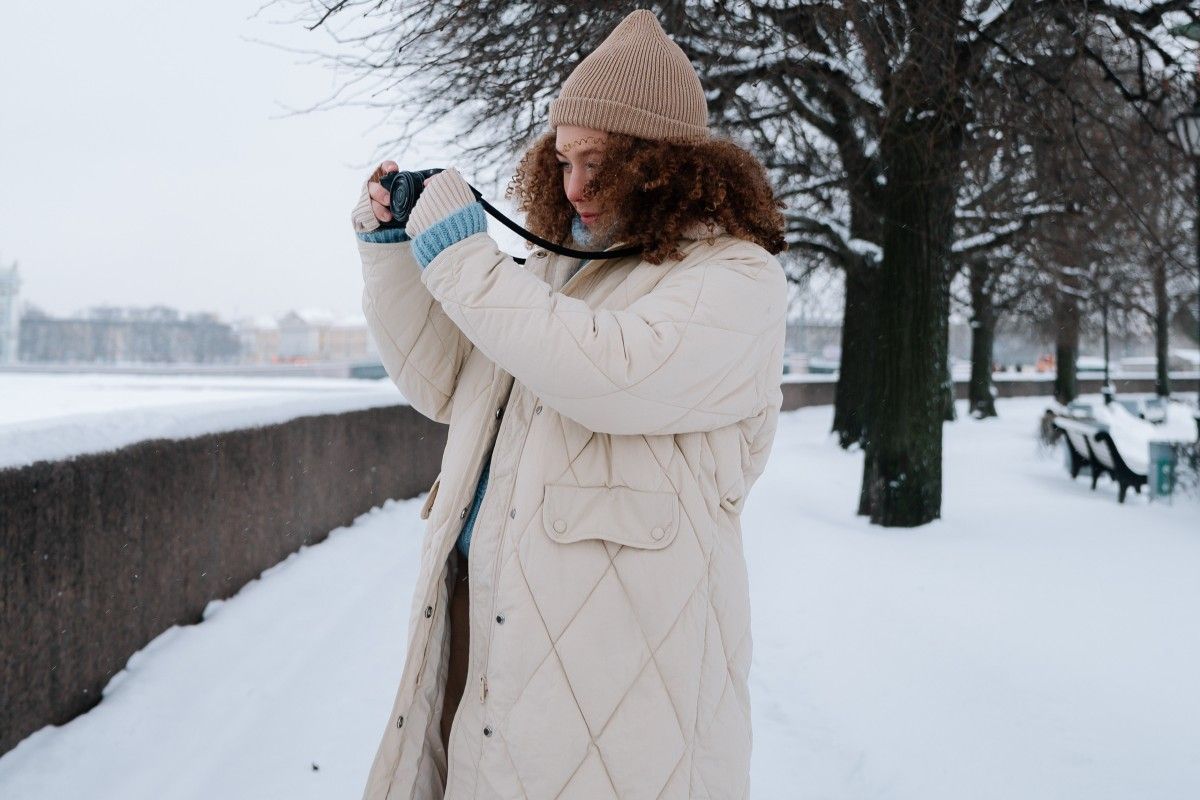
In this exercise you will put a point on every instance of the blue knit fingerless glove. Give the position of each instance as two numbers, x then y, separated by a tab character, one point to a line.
383	235
467	221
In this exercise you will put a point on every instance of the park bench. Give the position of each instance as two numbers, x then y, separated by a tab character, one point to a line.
1151	409
1090	444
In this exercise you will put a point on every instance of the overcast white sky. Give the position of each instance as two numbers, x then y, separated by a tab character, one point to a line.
140	162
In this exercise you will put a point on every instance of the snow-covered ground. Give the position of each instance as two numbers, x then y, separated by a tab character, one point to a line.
1039	641
45	416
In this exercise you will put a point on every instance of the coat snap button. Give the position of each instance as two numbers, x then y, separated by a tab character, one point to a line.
657	533
537	410
400	721
500	619
560	525
499	412
487	731
428	612
463	514
513	513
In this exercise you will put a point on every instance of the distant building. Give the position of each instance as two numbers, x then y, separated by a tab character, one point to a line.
300	334
349	339
10	288
317	335
159	334
113	335
259	338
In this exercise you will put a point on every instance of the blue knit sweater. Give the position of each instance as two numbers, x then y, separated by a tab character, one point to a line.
426	246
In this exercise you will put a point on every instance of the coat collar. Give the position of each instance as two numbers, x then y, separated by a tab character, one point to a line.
559	269
702	230
694	232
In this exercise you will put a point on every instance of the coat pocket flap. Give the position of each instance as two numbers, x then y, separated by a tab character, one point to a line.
433	490
615	513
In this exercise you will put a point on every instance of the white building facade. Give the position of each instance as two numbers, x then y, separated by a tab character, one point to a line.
10	287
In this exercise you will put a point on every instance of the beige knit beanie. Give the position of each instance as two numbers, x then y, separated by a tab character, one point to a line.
637	82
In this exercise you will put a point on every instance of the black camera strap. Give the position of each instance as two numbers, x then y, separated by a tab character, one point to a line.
409	183
533	237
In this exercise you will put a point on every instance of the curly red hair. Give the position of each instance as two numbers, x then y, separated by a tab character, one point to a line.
661	188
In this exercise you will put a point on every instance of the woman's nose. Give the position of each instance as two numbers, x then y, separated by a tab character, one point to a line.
575	184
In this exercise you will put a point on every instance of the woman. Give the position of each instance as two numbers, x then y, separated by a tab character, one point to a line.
580	626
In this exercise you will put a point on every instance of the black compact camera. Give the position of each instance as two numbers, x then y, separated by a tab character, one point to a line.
405	188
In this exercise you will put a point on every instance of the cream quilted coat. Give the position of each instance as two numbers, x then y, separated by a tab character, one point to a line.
631	408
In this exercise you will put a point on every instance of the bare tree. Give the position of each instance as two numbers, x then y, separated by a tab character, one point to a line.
862	110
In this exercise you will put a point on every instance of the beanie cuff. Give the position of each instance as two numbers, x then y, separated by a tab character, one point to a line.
614	117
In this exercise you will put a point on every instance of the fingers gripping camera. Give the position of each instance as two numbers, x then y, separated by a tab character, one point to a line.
362	217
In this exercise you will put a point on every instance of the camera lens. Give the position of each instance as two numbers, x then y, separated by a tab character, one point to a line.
405	188
404	191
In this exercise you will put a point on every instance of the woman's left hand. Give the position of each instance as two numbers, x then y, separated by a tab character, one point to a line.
442	195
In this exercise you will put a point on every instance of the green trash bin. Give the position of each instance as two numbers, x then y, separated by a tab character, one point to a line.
1163	459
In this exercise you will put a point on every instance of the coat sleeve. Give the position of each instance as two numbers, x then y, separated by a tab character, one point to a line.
696	353
421	348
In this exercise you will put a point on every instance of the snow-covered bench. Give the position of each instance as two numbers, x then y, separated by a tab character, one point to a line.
1151	409
1090	444
1075	435
1115	438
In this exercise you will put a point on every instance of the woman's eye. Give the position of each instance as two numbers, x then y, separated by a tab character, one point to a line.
564	164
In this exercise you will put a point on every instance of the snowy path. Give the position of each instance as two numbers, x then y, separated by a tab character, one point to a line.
1040	641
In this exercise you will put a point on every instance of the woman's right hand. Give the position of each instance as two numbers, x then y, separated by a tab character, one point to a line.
372	208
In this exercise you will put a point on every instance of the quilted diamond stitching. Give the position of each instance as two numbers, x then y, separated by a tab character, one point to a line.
524	688
407	362
698	767
554	640
654	651
674	770
521	566
572	649
537	608
515	771
502	728
727	681
639	738
691	555
579	766
704	646
679	492
653	659
686	324
688	746
699	694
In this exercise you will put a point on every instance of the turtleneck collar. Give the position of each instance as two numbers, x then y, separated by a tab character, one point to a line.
584	237
589	241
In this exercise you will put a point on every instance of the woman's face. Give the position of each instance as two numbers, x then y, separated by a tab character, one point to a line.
579	151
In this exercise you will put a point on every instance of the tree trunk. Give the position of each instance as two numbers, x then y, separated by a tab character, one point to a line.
949	413
902	467
1066	346
980	398
858	354
1186	320
1162	330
